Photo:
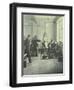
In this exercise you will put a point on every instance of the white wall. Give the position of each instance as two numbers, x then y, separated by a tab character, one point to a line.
60	29
4	44
40	25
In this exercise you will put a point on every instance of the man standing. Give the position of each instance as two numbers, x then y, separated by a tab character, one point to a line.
27	48
34	46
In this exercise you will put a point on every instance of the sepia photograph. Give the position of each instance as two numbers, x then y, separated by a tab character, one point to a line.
42	44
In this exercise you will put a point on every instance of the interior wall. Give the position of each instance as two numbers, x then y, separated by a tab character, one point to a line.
39	27
60	29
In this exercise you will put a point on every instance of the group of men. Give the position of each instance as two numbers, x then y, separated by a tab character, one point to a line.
51	50
30	47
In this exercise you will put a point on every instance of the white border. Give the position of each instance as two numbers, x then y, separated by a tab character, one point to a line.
42	78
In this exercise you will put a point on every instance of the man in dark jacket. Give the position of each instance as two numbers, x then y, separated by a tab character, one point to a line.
27	47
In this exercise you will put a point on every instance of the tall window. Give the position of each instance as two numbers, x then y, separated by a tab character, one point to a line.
60	28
